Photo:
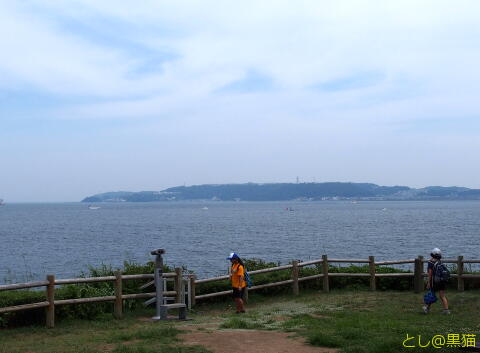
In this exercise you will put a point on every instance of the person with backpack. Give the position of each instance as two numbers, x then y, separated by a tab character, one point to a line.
438	276
237	277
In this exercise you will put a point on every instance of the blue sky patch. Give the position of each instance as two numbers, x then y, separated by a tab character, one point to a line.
253	81
359	80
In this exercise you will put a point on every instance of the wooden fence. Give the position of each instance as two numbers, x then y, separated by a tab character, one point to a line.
117	298
418	274
418	280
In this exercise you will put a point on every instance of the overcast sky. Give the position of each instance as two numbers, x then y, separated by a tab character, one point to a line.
100	96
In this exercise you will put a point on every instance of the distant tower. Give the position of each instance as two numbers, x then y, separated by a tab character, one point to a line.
298	180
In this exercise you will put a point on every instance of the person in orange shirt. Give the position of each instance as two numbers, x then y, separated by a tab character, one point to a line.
237	276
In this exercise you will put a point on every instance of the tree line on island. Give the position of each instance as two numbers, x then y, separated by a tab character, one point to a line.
290	191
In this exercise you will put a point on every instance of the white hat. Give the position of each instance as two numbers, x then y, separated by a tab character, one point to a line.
436	253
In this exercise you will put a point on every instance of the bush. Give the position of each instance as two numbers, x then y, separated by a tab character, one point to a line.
87	311
98	289
20	318
398	283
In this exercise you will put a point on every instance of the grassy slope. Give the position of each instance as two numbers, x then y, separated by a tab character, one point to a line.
354	321
379	322
129	335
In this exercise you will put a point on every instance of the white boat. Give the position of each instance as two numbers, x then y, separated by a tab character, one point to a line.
93	207
205	208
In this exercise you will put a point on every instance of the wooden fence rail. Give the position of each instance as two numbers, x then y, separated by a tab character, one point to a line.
118	298
418	274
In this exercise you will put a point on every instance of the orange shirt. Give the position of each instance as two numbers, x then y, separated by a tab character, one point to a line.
237	274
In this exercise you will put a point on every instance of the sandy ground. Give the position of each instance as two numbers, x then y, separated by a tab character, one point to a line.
251	341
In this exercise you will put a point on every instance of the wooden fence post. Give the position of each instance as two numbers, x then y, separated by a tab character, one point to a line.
417	275
373	282
326	287
295	277
118	306
460	281
192	289
418	284
318	280
178	285
51	301
421	280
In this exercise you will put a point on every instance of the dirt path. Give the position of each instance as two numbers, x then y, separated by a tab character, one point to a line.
251	341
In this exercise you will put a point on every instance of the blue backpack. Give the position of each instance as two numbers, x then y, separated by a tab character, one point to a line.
247	278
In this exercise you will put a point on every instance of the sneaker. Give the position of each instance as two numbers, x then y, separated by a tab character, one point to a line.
426	309
446	312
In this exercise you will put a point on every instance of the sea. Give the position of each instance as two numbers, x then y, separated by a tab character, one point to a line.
65	239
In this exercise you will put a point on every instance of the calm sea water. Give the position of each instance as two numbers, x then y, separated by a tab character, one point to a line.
63	239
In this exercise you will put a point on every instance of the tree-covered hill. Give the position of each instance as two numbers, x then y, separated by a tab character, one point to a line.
290	191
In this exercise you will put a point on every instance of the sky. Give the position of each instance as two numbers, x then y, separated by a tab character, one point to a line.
100	96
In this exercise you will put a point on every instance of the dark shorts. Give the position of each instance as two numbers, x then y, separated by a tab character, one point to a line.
238	293
439	286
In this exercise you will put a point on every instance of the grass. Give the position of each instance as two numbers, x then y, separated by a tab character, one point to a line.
238	323
169	349
379	322
159	334
352	321
129	335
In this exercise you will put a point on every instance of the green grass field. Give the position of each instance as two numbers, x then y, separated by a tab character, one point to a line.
352	321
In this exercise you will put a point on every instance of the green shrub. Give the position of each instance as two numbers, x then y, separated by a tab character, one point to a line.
20	318
98	289
394	283
87	311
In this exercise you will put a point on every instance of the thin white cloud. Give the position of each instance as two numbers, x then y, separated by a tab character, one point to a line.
148	74
37	55
217	43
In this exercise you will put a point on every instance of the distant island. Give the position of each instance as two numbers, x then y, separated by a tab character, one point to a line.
290	191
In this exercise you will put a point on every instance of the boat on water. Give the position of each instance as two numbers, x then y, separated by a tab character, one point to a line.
1	202
93	207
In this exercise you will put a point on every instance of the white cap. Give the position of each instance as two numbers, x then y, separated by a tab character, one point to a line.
436	252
